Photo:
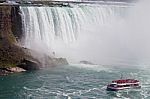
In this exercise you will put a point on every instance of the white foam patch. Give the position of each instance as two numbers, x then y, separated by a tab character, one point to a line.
91	67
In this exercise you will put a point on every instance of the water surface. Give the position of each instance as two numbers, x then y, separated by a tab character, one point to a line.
76	81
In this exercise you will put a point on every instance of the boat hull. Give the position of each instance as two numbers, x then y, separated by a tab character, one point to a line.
117	89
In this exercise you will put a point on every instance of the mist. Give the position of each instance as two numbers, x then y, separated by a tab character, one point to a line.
124	40
102	34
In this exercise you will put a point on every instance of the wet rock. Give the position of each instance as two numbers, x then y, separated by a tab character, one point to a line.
9	70
60	61
29	65
3	72
15	69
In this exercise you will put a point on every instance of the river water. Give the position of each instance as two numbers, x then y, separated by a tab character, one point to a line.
75	81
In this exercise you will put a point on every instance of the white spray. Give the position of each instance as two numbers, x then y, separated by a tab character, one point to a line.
101	33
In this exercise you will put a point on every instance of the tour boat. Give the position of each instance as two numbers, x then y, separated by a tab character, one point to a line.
121	84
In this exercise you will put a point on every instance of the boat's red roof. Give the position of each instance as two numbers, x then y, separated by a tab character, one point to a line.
125	81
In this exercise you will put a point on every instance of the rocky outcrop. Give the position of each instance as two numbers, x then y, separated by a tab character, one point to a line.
29	65
35	60
15	69
55	61
60	61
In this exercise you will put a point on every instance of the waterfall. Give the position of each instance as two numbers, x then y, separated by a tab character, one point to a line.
77	32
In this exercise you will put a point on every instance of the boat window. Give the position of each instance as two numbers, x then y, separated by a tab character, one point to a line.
112	85
126	85
123	85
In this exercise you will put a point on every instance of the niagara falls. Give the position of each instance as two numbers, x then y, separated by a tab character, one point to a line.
74	49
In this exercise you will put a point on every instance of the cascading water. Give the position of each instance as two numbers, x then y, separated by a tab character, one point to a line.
97	33
77	33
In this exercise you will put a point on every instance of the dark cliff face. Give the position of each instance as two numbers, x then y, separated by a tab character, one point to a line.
16	22
10	53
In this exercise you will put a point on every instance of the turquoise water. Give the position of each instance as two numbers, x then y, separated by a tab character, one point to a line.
75	81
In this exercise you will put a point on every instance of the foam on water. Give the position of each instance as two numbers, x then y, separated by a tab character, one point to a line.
91	67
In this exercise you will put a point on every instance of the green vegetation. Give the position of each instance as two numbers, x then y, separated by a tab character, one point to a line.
5	65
